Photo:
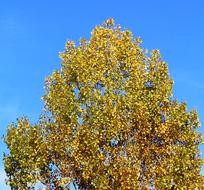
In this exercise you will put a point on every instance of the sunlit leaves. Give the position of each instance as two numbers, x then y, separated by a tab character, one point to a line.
110	122
28	154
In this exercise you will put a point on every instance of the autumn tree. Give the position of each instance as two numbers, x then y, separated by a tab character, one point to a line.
110	122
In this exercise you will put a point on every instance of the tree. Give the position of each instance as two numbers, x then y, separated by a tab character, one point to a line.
110	122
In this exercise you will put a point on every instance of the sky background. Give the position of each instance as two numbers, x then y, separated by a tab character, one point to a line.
32	33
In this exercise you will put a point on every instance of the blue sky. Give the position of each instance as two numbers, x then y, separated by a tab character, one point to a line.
33	32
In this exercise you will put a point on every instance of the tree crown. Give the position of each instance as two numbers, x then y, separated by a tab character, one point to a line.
111	122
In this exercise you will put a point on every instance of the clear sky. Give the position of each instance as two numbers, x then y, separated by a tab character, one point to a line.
32	33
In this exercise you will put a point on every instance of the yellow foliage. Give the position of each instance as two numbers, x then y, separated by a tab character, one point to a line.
110	123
